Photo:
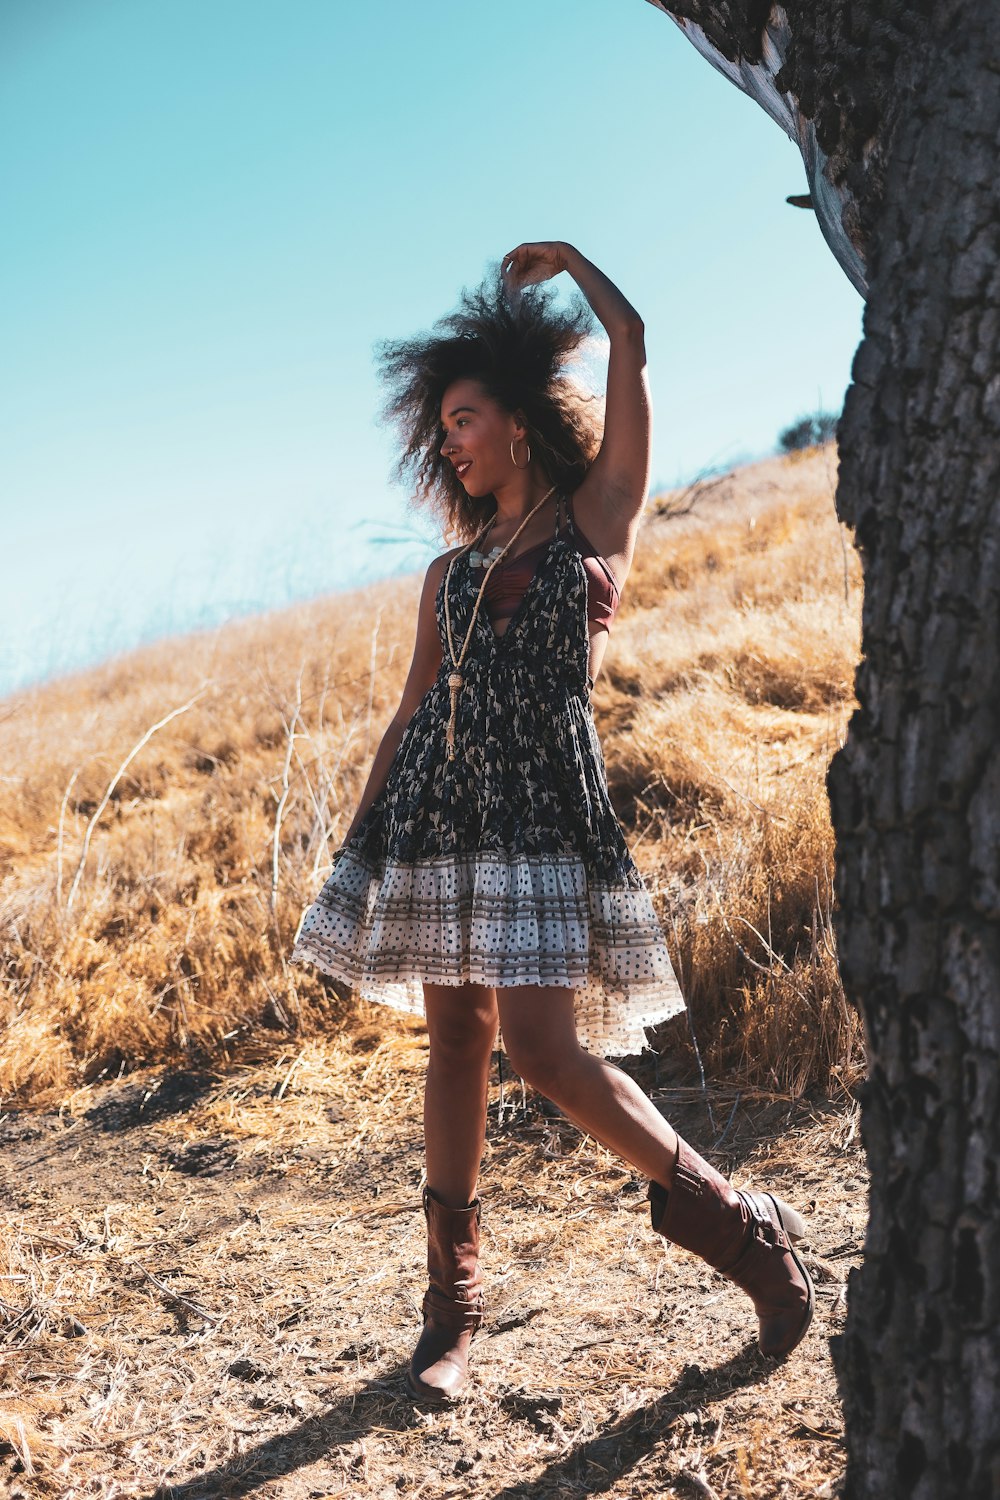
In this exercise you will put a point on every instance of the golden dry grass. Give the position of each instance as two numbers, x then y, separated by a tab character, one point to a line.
724	702
211	1252
165	817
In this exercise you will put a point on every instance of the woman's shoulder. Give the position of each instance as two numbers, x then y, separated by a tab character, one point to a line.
444	558
436	571
438	567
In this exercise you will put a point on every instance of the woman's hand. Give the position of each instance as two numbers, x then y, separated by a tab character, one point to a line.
535	262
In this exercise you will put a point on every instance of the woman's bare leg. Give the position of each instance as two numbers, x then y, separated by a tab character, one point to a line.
695	1207
539	1033
462	1026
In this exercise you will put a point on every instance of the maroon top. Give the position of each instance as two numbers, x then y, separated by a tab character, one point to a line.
509	580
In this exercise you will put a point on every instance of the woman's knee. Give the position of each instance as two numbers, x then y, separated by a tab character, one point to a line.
539	1037
461	1021
545	1067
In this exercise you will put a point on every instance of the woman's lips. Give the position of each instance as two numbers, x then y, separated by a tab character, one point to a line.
462	469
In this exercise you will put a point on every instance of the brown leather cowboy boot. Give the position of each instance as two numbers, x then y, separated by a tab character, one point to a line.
453	1301
746	1236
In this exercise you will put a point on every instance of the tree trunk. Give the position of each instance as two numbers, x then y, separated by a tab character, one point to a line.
916	791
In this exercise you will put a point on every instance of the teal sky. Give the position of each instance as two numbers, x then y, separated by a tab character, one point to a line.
213	210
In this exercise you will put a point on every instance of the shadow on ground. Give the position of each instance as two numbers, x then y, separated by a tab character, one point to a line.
593	1467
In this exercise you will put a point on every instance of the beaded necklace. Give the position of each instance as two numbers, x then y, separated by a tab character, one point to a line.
455	676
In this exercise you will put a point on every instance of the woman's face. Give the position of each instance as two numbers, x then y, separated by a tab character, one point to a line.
476	437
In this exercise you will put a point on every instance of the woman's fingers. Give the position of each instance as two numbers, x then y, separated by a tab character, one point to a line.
526	256
515	263
532	262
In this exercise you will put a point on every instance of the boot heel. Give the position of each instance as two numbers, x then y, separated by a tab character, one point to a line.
792	1223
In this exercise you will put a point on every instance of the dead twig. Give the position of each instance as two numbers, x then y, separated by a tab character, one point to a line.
290	729
59	836
184	1302
704	482
280	1091
701	1484
153	728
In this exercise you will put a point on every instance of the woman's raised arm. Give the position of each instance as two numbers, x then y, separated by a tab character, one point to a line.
615	488
618	479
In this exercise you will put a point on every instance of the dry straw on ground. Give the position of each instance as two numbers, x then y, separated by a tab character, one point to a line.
213	1288
212	1236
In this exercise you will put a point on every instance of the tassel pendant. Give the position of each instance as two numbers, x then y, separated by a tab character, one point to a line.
454	684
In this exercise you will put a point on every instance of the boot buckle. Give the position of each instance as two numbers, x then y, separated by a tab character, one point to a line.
764	1227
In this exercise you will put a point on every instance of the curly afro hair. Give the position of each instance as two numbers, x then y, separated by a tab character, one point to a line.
517	346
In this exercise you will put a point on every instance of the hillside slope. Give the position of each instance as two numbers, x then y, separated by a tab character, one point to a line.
165	817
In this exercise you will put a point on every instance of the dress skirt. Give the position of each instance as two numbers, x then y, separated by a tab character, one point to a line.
506	865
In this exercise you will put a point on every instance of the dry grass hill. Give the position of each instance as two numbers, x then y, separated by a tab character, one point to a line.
212	1238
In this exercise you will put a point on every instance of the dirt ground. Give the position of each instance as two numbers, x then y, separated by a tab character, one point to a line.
212	1288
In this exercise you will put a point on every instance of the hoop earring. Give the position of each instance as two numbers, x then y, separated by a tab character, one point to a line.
513	460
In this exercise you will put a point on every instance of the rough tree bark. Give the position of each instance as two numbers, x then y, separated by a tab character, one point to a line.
897	111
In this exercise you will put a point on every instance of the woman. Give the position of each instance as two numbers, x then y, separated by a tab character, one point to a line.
485	875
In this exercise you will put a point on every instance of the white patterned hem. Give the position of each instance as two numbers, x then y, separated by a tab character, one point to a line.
496	920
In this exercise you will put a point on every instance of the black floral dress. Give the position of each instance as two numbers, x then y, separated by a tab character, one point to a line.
507	864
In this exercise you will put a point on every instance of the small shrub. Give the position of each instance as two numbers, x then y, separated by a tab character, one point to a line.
806	432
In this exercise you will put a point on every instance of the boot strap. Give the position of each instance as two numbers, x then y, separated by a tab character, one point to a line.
692	1181
763	1225
761	1228
764	1235
452	1312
